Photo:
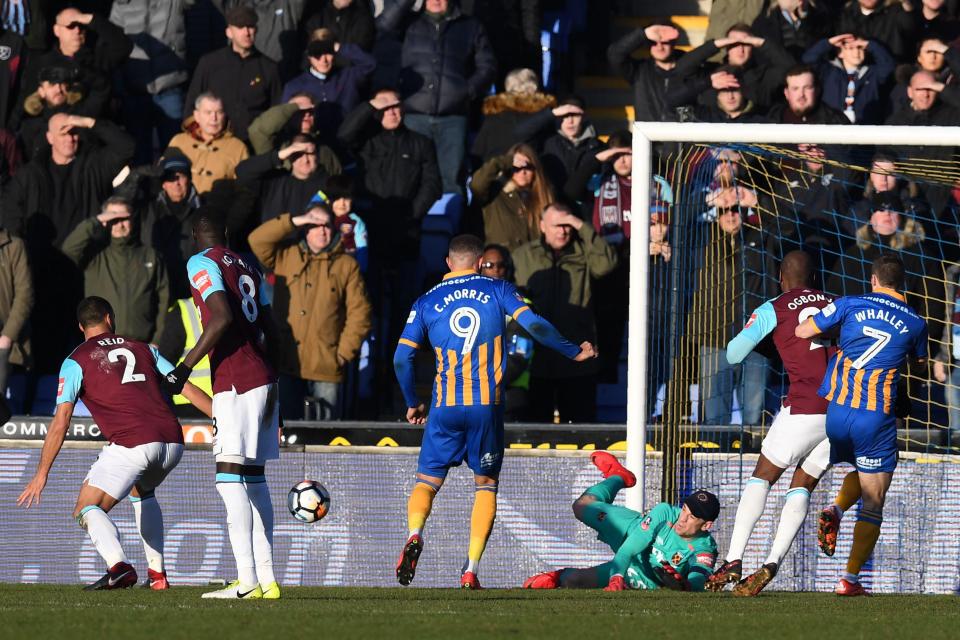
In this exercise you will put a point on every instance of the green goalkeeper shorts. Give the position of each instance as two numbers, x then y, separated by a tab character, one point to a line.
611	522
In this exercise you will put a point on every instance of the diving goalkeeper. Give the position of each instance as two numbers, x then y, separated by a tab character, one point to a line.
667	547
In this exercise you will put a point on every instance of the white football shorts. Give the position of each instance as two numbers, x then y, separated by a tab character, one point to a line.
247	425
119	468
798	439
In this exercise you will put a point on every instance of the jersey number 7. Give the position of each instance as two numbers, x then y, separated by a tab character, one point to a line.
881	337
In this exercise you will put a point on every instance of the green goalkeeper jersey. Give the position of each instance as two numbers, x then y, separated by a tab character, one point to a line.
651	540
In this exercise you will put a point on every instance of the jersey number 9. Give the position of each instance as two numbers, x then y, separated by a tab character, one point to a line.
466	331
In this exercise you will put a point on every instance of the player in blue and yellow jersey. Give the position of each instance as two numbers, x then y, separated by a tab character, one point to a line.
463	318
879	333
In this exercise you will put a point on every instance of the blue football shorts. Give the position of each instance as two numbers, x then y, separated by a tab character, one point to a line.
453	435
865	439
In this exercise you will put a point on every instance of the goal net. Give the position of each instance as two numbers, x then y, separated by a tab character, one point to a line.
728	202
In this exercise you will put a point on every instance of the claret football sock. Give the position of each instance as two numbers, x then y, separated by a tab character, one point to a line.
239	527
481	523
262	512
849	492
149	519
865	534
607	489
419	505
103	533
791	519
752	502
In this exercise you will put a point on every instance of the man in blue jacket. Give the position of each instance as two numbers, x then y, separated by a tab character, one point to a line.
446	63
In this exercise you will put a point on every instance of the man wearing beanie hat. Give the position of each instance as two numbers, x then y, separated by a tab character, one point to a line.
247	81
668	547
166	224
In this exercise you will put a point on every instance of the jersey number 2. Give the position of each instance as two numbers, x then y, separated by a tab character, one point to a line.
130	361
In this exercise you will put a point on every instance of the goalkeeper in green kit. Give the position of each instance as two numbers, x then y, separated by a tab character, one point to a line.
667	547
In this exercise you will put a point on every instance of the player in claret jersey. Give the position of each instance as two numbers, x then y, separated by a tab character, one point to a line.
879	333
234	312
668	547
118	379
463	317
798	434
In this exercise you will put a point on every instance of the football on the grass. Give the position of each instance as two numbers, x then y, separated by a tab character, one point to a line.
308	501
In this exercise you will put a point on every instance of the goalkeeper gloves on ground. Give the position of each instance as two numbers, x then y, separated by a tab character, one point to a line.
616	584
671	579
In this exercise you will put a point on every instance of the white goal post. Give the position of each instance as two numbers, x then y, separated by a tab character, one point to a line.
644	135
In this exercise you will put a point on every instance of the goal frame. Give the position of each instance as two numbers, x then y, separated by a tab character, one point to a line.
644	135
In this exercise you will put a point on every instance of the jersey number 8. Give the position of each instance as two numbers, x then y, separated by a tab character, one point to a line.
468	331
247	300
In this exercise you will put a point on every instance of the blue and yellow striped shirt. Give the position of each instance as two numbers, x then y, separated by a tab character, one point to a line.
878	332
464	319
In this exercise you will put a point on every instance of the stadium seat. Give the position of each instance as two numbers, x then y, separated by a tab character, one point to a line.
441	223
45	401
16	391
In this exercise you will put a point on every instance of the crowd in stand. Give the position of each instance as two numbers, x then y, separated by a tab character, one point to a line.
327	131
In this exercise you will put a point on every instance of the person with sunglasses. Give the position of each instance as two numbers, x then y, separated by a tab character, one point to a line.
497	264
92	48
513	191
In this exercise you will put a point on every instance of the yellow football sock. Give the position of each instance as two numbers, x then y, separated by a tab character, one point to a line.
849	491
419	505
865	534
481	523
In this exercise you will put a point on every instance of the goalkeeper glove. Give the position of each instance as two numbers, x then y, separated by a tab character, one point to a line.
616	584
671	579
173	382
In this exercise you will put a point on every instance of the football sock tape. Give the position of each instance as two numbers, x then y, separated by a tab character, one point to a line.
481	523
865	534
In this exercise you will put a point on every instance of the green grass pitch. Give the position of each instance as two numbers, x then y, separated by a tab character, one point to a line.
53	611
